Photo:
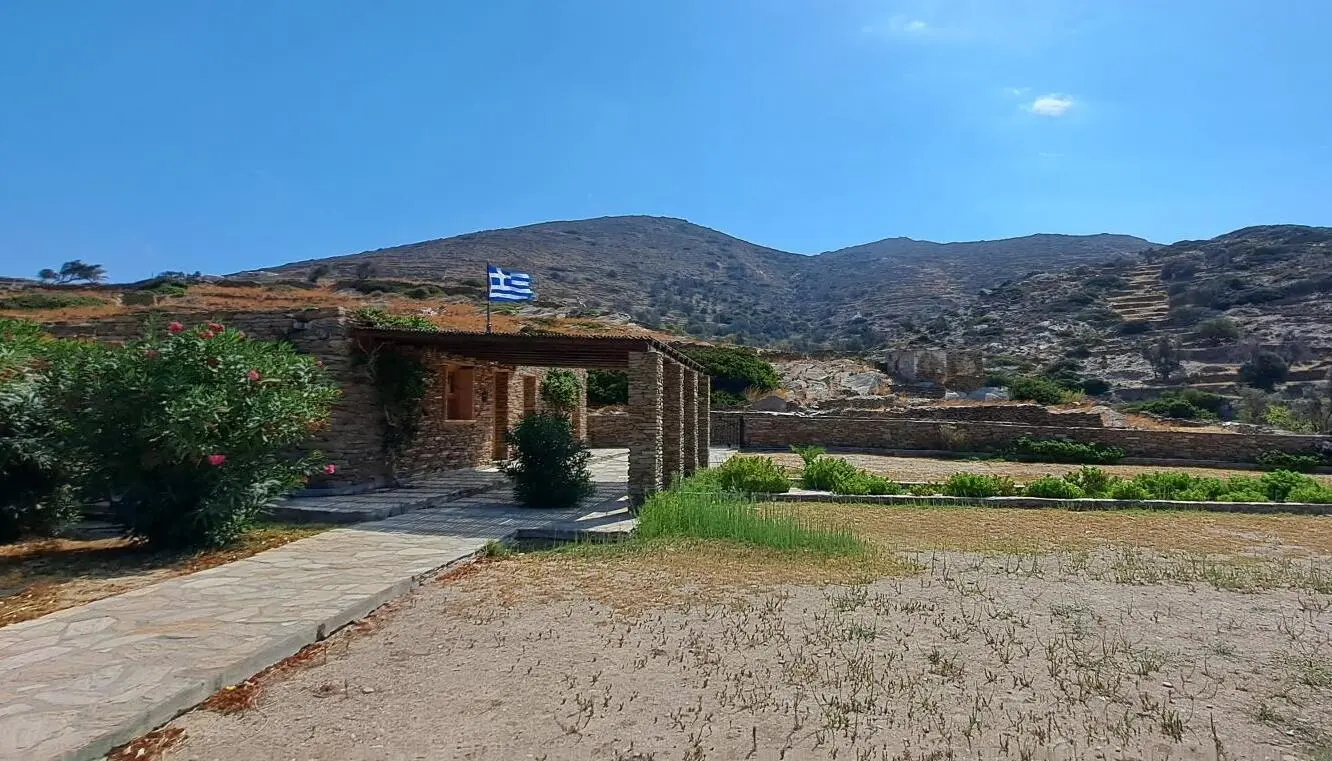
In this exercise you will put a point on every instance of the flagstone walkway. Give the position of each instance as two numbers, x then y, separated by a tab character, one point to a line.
76	683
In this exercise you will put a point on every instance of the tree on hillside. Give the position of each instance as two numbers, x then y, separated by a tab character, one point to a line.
1164	357
318	271
1264	370
74	270
366	270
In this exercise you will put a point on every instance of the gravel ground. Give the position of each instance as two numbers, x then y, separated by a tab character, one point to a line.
929	469
1103	654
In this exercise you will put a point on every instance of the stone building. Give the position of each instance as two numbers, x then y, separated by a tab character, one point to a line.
477	386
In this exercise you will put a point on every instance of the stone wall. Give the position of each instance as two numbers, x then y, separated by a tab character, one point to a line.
608	429
778	430
1026	414
354	439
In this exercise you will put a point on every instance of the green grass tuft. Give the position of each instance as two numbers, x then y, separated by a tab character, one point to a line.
682	514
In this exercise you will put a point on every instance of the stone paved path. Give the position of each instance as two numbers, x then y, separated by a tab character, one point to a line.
78	682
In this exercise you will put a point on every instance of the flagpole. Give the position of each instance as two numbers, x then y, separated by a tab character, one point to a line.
487	298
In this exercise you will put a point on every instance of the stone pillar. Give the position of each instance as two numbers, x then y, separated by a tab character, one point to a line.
690	421
645	427
704	418
672	421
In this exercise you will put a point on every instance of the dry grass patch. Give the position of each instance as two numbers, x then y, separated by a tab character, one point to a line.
995	529
41	576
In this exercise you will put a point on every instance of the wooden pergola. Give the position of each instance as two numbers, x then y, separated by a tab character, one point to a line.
668	392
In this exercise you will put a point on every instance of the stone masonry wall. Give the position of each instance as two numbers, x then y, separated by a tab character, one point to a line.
1026	414
780	430
609	429
645	412
354	439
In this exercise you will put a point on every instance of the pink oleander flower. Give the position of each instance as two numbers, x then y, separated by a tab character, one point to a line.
216	459
174	327
253	375
330	469
206	334
216	327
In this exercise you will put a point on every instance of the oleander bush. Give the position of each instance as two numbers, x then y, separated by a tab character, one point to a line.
549	467
190	433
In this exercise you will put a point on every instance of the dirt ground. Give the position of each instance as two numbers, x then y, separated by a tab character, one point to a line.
41	576
1119	637
930	469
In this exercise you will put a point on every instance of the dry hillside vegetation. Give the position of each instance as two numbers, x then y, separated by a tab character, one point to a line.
1259	287
446	312
662	270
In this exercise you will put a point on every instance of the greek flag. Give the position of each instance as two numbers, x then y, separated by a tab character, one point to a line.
506	285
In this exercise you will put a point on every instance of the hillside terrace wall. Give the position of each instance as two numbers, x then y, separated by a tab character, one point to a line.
781	430
1026	414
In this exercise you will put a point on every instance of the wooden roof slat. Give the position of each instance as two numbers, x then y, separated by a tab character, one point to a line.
535	349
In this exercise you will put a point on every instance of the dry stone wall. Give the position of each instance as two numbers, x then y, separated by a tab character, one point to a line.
778	430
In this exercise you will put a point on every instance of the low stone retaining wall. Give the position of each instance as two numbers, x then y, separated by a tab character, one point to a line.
859	431
1026	414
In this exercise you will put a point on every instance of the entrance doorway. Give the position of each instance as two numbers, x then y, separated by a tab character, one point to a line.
529	394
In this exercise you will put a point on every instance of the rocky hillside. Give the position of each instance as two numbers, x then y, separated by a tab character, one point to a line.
668	272
1266	287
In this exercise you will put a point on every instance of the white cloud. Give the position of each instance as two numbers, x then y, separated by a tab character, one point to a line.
1051	105
901	27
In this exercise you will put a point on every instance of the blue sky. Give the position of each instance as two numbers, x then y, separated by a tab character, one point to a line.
223	136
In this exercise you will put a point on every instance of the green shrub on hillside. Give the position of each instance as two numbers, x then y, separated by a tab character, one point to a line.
560	390
1027	388
735	369
1056	450
32	300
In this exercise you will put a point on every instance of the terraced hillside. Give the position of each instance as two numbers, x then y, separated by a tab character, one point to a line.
1263	288
668	272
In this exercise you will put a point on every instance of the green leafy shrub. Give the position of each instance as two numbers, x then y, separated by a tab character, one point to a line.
1275	459
735	369
1190	404
1093	482
861	482
379	318
1028	388
1314	494
1163	485
1057	450
978	485
607	387
1283	417
927	489
190	434
826	473
1052	487
37	493
549	467
1279	484
753	475
1129	490
560	390
1217	331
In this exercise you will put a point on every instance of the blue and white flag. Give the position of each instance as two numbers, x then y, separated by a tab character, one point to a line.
506	285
